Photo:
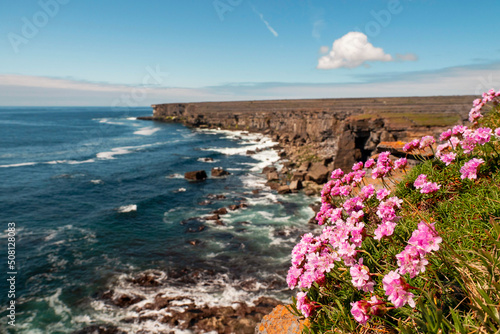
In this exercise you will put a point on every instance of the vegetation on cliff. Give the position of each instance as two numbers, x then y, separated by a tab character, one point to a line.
420	258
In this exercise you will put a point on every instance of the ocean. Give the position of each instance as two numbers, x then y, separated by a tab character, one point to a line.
99	198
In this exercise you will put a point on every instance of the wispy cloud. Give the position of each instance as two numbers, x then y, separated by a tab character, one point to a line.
43	91
318	26
265	22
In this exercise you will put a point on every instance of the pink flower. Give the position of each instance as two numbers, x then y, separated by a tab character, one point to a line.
293	276
448	158
382	194
360	311
482	135
386	229
430	187
411	261
497	133
426	141
420	181
366	192
304	305
425	238
400	163
458	129
397	291
469	170
425	186
361	277
408	147
369	163
357	166
445	135
337	174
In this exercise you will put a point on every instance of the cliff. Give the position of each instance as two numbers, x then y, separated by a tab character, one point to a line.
343	129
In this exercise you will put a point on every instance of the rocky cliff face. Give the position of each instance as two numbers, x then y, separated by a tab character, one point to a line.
343	129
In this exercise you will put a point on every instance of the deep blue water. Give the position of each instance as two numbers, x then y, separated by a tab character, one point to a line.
99	197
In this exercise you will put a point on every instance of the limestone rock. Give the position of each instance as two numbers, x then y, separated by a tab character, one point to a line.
284	190
317	173
273	176
281	321
218	172
296	185
198	175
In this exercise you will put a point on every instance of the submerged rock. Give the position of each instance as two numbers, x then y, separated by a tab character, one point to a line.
198	175
218	172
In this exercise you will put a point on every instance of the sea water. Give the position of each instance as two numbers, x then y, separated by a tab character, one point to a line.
98	197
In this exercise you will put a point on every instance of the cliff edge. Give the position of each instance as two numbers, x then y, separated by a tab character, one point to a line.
345	130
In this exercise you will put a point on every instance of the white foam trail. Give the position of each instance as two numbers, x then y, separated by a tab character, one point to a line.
107	121
175	176
148	131
97	181
123	150
19	164
127	208
132	118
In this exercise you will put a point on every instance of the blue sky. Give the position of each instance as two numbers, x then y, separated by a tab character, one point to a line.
127	53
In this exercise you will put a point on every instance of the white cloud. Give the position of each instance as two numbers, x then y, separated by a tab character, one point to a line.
352	50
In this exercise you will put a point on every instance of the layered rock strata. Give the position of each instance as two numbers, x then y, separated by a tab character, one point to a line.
344	130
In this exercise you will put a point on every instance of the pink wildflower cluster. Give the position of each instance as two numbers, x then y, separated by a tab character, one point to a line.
469	170
344	231
425	186
386	211
363	310
411	260
304	304
423	241
478	104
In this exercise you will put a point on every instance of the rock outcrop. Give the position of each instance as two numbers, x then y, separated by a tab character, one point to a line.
345	130
198	175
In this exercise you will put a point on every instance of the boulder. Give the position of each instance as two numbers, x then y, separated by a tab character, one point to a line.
218	172
273	176
318	173
250	152
234	207
296	185
273	185
268	169
284	190
304	167
298	176
198	175
221	211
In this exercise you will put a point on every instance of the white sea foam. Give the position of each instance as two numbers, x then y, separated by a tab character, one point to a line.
128	149
97	181
132	118
175	176
147	131
19	164
208	161
127	208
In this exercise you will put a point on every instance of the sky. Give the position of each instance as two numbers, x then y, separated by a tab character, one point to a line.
136	53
